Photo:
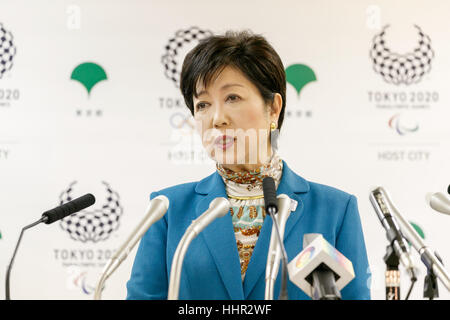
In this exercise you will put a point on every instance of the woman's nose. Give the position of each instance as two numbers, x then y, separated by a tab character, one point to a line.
220	117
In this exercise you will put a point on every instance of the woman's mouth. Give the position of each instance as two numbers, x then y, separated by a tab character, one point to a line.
224	142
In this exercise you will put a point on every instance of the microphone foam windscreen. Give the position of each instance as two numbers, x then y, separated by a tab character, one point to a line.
69	208
270	194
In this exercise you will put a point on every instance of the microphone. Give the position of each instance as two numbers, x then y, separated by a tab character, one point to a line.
429	259
439	202
275	251
68	208
380	202
320	270
48	217
157	208
270	202
218	207
270	195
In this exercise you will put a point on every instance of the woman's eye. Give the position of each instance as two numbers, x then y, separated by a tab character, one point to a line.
201	105
233	98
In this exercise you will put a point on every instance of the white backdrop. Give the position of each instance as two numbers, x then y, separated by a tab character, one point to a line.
131	134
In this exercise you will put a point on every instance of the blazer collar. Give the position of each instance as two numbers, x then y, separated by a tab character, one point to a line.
289	181
220	233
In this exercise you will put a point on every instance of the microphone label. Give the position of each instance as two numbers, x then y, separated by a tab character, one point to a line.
304	257
393	285
319	252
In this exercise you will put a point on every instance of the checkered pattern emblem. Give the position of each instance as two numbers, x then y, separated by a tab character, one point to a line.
171	60
405	68
7	50
92	225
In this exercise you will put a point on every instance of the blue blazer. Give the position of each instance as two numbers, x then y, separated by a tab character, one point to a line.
211	269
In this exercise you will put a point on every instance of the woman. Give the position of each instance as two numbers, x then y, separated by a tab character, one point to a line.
235	87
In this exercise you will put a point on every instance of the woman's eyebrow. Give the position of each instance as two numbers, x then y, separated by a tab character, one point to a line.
225	86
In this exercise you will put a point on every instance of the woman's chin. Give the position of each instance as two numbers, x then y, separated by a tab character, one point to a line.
225	157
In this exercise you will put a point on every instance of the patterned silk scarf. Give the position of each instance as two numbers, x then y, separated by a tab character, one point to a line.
244	190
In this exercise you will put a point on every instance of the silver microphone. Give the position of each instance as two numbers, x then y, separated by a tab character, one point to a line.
219	207
156	209
274	253
381	203
440	202
427	257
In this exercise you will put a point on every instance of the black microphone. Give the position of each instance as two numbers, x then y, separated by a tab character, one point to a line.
271	204
68	208
270	194
48	217
380	202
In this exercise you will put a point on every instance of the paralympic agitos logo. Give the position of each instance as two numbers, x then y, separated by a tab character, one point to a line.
403	125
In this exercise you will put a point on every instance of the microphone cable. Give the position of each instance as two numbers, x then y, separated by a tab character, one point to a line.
413	282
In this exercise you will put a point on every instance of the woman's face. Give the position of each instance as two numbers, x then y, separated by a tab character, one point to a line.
234	121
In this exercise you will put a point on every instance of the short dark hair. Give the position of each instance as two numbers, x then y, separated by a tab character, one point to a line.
248	52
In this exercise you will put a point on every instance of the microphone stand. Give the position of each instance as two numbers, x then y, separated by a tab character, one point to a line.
276	251
283	291
156	209
177	263
324	284
8	272
271	205
322	279
48	217
395	251
432	261
430	286
218	207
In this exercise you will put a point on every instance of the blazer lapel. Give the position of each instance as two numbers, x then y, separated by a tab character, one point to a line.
219	237
291	185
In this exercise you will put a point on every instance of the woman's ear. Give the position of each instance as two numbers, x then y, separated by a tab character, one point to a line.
277	104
